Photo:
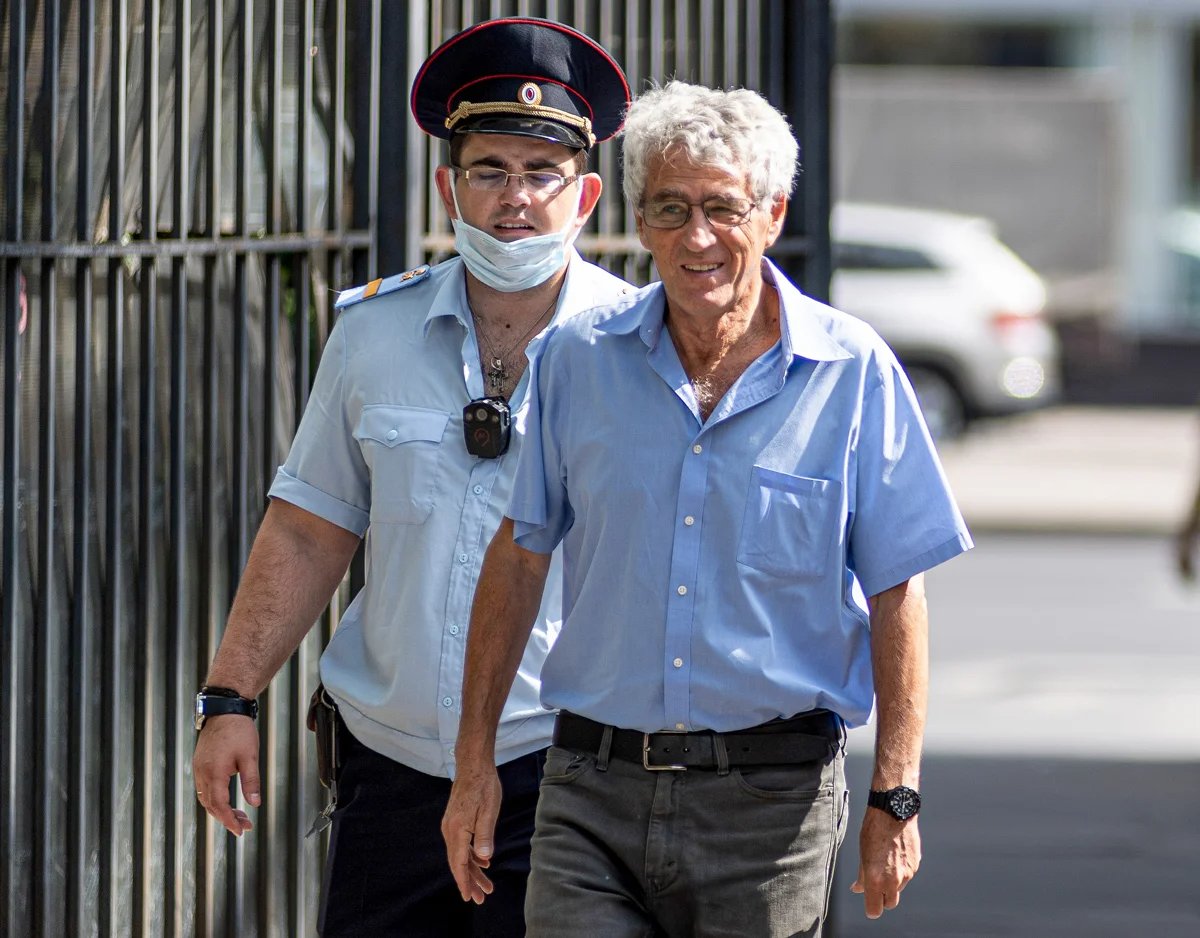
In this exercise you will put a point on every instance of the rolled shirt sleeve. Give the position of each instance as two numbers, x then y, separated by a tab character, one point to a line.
325	472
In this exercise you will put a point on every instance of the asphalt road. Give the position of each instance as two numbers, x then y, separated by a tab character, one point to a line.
1062	769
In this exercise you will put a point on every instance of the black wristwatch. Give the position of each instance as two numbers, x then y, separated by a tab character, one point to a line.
900	802
215	701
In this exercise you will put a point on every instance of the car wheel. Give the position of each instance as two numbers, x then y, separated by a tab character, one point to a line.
943	407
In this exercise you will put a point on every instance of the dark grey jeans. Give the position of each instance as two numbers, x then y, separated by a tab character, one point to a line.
625	853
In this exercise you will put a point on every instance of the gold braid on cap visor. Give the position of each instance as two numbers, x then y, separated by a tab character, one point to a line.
466	109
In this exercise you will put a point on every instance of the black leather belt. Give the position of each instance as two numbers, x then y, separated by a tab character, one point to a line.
816	734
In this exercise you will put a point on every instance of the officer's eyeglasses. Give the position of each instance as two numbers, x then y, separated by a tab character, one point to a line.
675	213
540	181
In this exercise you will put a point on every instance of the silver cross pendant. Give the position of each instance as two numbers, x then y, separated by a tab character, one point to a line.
497	375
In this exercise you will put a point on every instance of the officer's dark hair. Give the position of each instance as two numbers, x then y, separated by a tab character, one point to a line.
459	140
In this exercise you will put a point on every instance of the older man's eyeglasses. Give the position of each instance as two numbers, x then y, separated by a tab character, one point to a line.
675	213
488	179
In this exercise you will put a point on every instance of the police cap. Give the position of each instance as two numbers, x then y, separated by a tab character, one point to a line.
524	76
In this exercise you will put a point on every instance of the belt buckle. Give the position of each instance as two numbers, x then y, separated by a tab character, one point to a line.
646	757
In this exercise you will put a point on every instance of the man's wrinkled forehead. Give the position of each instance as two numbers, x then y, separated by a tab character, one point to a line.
676	175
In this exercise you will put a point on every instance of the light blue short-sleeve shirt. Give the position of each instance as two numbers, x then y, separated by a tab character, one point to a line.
715	572
380	451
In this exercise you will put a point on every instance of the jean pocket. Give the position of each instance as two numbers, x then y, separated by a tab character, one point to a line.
807	782
790	523
563	766
403	448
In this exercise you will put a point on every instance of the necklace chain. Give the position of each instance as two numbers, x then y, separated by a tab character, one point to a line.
498	373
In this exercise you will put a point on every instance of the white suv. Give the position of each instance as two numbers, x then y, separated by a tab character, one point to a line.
960	309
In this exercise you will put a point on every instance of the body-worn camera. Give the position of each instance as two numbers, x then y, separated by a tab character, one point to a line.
486	426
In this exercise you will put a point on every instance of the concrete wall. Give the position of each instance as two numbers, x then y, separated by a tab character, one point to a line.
1039	152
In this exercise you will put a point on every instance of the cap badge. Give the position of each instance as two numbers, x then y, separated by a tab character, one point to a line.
529	93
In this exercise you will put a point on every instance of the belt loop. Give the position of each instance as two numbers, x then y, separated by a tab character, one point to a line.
718	743
605	748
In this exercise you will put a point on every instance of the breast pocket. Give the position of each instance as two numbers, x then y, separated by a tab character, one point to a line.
403	448
790	524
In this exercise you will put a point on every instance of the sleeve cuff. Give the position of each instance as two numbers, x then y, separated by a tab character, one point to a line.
323	505
898	573
534	537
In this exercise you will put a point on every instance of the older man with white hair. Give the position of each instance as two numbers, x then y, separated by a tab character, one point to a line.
747	496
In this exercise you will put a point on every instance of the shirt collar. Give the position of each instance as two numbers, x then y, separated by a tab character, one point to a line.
642	313
451	299
802	332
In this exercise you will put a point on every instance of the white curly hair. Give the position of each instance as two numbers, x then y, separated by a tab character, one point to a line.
736	129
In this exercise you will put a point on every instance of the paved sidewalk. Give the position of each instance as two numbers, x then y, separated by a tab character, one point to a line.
1078	469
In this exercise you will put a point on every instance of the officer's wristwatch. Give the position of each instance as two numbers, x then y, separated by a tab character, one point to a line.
215	701
900	802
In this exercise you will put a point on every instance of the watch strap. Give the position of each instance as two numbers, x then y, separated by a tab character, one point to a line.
219	706
216	701
909	801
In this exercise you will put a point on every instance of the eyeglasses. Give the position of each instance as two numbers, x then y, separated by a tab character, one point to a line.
487	179
675	213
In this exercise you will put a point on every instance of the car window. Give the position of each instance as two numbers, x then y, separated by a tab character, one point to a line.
851	256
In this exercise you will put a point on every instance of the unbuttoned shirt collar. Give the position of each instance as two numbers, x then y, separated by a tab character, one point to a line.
801	337
451	303
800	332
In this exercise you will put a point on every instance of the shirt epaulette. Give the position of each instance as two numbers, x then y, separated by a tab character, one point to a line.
381	286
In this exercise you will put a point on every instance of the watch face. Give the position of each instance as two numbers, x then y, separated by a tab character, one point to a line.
903	802
198	719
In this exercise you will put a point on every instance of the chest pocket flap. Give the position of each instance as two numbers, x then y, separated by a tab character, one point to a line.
790	525
403	448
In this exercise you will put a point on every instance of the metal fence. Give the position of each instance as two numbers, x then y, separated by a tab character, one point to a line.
185	182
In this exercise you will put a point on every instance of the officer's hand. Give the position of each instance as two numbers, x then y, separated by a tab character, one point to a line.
889	854
469	826
227	746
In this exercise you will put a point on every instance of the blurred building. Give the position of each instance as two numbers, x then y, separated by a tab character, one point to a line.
1072	123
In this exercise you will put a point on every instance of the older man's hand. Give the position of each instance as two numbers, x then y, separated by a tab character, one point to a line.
469	826
889	854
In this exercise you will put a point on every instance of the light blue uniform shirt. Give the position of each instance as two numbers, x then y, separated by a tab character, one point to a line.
380	450
715	571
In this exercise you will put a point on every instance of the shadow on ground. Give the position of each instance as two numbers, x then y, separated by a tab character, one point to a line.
1041	848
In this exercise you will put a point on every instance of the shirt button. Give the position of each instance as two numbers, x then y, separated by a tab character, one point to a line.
679	726
478	490
454	630
447	701
393	433
463	558
681	590
697	449
689	521
678	662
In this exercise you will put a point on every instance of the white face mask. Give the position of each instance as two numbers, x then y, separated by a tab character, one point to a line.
512	266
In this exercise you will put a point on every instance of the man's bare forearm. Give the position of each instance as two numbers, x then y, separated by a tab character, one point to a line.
900	658
507	599
295	565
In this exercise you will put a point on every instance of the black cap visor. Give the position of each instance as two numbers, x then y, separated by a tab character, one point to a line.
549	131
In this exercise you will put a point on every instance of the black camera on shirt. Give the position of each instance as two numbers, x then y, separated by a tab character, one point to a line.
487	423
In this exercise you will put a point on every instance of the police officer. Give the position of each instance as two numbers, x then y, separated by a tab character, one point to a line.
412	433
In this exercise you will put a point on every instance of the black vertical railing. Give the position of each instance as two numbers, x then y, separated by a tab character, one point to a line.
82	803
113	688
13	878
49	885
184	184
209	605
147	662
178	792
